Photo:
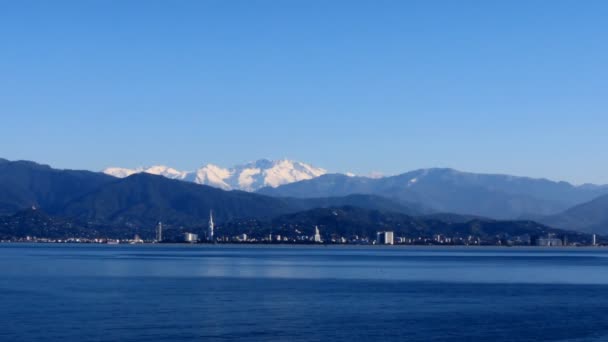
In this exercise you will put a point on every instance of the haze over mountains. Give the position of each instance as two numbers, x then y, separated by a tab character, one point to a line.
448	190
142	198
590	217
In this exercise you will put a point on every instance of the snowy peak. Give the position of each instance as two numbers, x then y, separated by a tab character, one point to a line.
248	177
121	172
263	173
258	174
155	170
213	175
167	172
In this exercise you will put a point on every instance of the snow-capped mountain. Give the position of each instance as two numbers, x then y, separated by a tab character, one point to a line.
155	170
248	177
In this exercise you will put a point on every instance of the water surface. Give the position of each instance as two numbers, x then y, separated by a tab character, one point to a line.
224	293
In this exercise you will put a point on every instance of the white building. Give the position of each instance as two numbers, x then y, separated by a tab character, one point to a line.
594	240
210	228
385	238
317	237
190	237
159	232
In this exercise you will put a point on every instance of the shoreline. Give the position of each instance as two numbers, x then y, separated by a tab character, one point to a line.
303	246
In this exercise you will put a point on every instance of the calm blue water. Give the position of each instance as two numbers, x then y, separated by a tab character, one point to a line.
220	293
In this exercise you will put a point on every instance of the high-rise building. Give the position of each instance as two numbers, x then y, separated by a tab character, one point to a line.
317	237
210	232
594	240
385	238
159	232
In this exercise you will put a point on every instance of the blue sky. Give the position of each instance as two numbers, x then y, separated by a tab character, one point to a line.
516	87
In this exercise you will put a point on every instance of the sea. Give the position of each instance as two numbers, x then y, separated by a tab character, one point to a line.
81	292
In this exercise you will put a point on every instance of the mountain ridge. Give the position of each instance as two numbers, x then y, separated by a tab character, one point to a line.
98	197
248	177
143	199
25	184
445	193
448	190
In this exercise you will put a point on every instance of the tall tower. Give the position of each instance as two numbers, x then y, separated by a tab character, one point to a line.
159	232
317	237
210	236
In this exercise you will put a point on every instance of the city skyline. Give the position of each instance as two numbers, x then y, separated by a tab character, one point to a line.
303	170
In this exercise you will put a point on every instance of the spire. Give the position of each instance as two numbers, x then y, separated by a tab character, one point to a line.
317	237
159	232
210	232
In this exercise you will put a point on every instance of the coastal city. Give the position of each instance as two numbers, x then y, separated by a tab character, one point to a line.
382	238
303	171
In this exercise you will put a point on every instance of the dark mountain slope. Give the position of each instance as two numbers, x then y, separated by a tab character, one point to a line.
144	199
36	223
24	184
372	202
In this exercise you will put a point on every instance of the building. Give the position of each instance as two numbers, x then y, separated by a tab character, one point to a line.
159	232
210	228
385	238
594	240
549	241
190	237
317	237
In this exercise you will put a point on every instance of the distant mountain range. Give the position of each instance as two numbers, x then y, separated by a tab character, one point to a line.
436	189
448	190
144	199
248	177
141	199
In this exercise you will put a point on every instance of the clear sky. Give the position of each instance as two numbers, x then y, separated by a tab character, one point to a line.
518	87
